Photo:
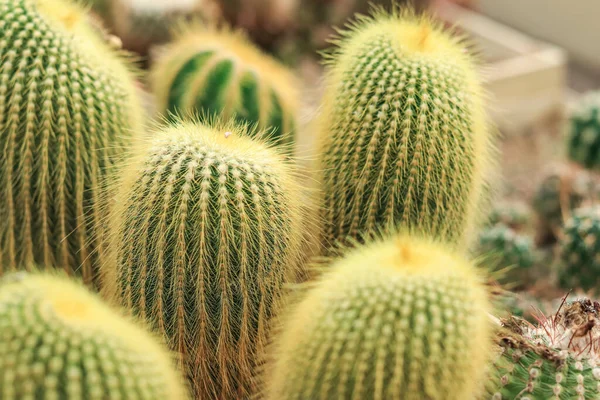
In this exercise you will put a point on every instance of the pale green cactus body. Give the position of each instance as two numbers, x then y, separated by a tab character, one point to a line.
59	341
404	137
396	319
218	72
207	233
68	108
555	359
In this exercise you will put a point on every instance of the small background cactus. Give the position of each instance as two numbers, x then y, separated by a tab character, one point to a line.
60	342
219	72
206	233
580	250
68	109
509	252
403	135
398	319
516	215
584	132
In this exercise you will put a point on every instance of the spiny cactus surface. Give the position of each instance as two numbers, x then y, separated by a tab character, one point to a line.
584	132
220	72
397	319
60	342
556	359
404	138
68	108
207	233
580	250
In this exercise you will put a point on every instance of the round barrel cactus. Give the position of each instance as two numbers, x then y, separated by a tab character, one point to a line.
68	109
207	233
404	139
219	72
584	132
59	341
401	318
553	359
580	250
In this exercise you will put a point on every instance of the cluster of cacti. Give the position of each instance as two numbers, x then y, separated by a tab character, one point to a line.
403	135
555	359
507	251
580	250
68	108
206	234
401	318
515	214
218	72
59	341
584	132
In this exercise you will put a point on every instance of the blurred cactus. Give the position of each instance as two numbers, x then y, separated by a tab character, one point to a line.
508	251
60	342
565	188
220	72
207	233
142	24
584	132
580	250
555	359
68	107
404	137
515	214
396	319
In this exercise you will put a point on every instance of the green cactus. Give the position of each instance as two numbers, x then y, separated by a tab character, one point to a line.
404	138
515	214
580	250
505	248
220	72
584	132
402	318
564	188
59	341
68	108
207	233
555	359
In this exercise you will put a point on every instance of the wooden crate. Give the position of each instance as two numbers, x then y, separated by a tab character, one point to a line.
526	78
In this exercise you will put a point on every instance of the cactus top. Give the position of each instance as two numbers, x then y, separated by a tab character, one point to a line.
403	130
79	346
397	319
221	71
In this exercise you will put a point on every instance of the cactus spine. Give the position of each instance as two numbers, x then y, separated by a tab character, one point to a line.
580	250
397	319
207	233
67	109
220	72
403	131
584	132
555	359
60	342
